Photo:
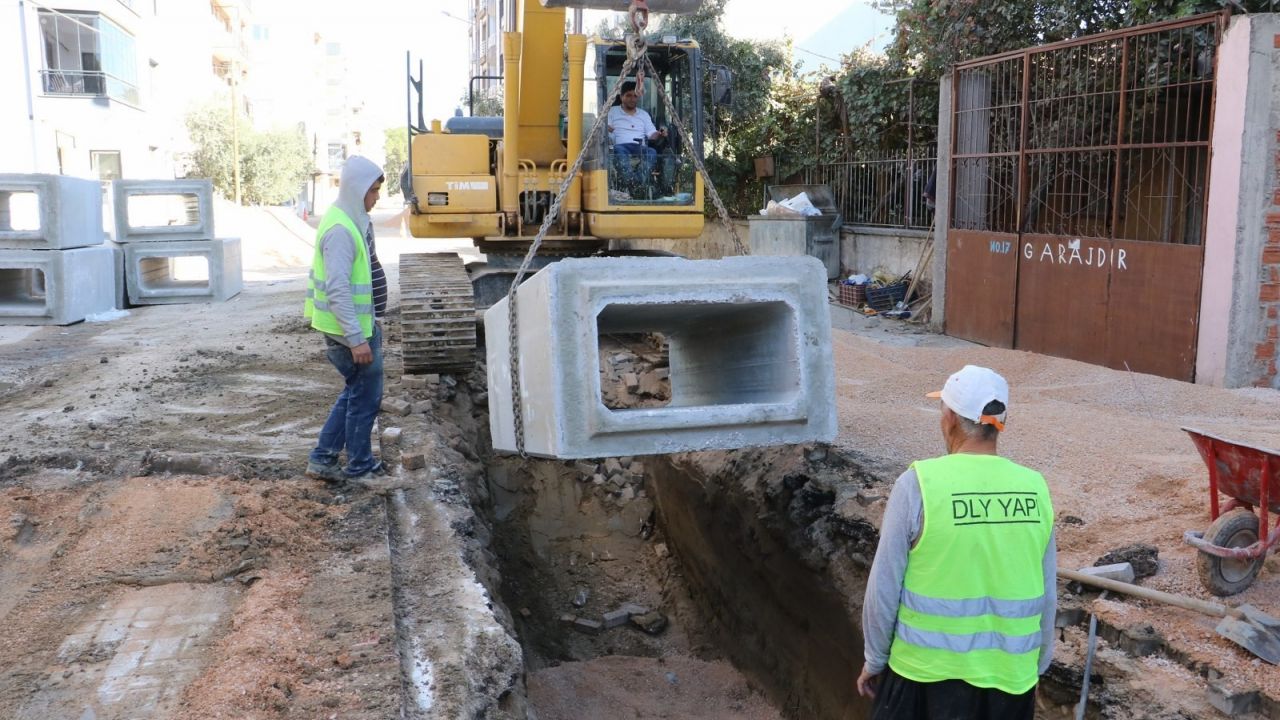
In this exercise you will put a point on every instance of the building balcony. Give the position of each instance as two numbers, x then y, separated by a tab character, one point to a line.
88	83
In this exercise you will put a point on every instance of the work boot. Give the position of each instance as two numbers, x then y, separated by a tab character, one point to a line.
329	473
378	470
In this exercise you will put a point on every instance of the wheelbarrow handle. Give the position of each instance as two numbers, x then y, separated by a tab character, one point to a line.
1182	601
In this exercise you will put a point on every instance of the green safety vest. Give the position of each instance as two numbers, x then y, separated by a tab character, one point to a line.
317	307
974	588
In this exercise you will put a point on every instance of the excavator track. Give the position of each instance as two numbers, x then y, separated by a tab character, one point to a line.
437	314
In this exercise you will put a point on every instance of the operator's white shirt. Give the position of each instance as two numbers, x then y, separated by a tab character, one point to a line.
630	127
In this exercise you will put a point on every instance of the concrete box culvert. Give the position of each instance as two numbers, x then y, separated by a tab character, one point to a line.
49	212
163	210
750	347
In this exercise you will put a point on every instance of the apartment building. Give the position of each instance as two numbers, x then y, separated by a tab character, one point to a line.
100	88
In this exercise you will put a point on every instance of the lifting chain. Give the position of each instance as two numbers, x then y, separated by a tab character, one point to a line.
636	55
513	311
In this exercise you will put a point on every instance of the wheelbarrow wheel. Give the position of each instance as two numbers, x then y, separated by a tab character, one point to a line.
1226	576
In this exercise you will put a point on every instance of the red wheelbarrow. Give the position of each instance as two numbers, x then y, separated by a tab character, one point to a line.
1234	547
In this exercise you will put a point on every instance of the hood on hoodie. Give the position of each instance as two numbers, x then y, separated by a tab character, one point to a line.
358	175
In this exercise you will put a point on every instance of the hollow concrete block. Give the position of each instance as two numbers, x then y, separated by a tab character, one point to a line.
193	202
66	212
750	355
55	287
160	273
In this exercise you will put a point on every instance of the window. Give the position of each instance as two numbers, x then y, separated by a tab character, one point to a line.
87	54
337	156
105	164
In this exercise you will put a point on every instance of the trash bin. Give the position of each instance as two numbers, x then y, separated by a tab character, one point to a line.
818	235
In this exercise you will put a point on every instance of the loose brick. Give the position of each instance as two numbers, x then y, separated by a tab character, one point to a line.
395	406
413	461
413	382
589	627
391	437
616	618
1230	702
420	407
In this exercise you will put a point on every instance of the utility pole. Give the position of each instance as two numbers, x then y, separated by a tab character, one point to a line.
26	73
235	128
235	105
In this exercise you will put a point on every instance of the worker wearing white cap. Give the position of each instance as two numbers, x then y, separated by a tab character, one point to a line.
959	610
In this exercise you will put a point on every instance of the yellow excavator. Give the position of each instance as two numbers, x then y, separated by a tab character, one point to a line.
493	179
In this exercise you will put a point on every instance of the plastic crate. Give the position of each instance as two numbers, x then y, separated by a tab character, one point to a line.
852	295
885	298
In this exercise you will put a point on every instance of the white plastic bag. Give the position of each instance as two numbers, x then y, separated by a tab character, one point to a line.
801	204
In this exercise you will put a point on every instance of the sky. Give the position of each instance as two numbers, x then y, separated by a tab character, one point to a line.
376	33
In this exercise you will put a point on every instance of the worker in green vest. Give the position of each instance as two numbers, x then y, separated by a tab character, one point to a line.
346	294
960	604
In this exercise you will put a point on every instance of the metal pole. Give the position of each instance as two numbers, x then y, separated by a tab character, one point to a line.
909	204
235	129
577	21
26	73
235	110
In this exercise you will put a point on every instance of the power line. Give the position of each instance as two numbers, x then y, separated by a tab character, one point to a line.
824	57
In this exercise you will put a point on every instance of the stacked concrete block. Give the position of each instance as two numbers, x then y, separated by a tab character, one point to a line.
160	273
750	355
56	287
49	212
54	268
171	254
191	199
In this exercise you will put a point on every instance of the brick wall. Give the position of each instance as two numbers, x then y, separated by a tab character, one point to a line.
1268	334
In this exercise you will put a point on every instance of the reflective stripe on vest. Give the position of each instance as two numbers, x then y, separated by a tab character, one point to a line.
974	590
316	305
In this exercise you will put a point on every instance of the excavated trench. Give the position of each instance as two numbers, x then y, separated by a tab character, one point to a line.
714	573
754	559
697	585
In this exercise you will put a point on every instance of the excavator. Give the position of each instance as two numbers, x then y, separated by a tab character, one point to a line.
494	179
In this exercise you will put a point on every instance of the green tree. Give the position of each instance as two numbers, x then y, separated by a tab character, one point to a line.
748	129
396	147
931	35
273	164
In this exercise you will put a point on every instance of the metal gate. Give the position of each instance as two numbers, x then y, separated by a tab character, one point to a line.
1080	176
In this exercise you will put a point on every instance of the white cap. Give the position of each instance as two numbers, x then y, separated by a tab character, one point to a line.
968	391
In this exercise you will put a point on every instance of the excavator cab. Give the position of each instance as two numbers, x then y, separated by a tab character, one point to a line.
629	186
657	171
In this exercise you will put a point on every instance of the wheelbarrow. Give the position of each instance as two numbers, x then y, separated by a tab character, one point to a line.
1234	547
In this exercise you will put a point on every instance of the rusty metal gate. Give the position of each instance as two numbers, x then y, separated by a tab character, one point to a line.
1080	177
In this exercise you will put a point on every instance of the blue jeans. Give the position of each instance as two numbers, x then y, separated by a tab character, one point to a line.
646	155
351	419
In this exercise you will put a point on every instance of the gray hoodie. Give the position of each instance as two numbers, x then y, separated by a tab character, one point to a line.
358	175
